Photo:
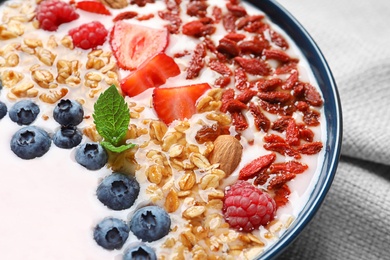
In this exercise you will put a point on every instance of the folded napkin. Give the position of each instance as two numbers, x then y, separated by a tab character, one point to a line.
354	220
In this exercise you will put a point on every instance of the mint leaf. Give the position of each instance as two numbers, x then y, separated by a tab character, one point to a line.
116	149
112	118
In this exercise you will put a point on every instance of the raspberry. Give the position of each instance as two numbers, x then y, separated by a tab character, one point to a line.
246	207
89	35
52	13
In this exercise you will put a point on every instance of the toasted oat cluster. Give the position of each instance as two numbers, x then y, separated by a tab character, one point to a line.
224	116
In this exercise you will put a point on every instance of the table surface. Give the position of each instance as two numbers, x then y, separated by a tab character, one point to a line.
354	220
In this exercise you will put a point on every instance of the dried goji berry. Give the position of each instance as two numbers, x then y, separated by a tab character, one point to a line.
292	133
217	14
306	134
268	84
235	36
141	3
302	105
255	46
256	166
276	55
227	95
282	195
146	17
280	125
291	80
275	96
236	10
273	138
287	67
253	66
283	149
197	8
240	79
239	121
229	22
248	20
222	82
197	29
290	166
197	61
260	120
246	95
125	15
256	27
235	105
311	117
280	179
220	67
278	40
277	108
312	96
261	178
310	148
228	47
174	20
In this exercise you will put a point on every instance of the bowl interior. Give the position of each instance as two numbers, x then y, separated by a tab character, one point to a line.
280	16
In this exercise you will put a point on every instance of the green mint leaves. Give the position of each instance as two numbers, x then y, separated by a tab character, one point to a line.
112	118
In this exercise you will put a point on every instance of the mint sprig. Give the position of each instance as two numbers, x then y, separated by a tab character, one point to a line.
112	118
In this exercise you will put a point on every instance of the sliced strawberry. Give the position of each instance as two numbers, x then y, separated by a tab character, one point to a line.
133	44
152	73
93	7
177	103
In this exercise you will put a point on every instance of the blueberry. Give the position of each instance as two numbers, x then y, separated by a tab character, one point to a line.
68	113
67	137
91	155
118	191
24	112
150	223
30	142
111	233
3	110
139	252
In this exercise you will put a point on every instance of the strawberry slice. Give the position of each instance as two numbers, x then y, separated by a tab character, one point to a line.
152	73
93	7
177	103
133	44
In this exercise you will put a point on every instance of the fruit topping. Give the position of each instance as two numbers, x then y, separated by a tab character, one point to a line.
139	252
246	207
30	142
118	191
134	44
177	103
150	74
53	13
150	223
67	137
3	110
93	7
89	35
91	155
68	113
24	112
111	233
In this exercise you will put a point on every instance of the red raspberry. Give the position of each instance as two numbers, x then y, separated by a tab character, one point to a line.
89	35
246	207
52	13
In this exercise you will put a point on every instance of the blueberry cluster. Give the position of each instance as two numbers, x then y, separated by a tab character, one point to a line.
117	192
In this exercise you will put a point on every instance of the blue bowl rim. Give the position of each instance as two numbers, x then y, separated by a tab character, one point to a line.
332	107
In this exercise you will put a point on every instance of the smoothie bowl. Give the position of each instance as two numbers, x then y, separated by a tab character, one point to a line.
160	129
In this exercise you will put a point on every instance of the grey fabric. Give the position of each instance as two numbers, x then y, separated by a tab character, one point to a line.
354	220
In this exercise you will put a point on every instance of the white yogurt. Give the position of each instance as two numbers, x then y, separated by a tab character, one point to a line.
49	206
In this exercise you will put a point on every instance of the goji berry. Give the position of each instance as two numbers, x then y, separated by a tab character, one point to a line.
261	178
246	95
255	46
228	47
146	17
283	149
125	15
310	148
312	96
217	14
268	84
197	8
276	55
260	120
311	117
290	166
174	20
302	105
248	20
235	105
306	134
227	95
281	195
291	80
256	166
229	22
287	67
141	3
240	79
220	67
280	179
222	81
280	125
236	10
197	61
235	36
278	40
197	29
253	66
273	138
292	133
239	121
275	96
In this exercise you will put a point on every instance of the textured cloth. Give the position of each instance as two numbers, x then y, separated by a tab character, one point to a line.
354	220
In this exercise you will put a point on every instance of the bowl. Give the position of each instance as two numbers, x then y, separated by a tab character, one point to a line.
332	107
